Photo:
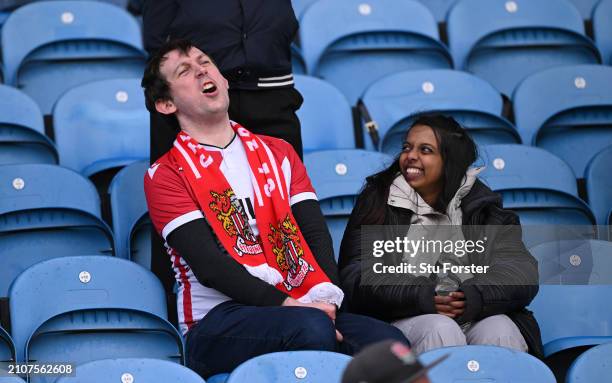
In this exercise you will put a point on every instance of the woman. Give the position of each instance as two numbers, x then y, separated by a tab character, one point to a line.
428	186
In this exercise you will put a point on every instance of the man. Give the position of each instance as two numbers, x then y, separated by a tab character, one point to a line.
251	43
247	239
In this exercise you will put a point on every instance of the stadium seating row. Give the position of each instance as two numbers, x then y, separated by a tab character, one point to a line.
440	8
96	307
340	41
55	209
59	210
103	125
34	195
467	362
344	40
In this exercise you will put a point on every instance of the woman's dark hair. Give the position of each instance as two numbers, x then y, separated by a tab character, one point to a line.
458	152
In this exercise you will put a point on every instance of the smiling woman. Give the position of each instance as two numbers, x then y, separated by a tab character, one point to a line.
445	299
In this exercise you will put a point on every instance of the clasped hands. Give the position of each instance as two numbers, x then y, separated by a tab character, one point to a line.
327	308
451	305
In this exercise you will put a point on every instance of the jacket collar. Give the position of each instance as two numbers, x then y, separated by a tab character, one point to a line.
402	195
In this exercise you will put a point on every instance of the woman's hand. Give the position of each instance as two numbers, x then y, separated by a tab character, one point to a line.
458	303
452	305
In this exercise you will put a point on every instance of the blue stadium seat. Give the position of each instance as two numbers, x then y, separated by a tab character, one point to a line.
585	7
85	308
102	125
599	186
71	42
571	262
395	100
541	188
592	365
602	29
337	177
219	378
131	222
300	6
325	116
11	379
351	43
22	131
485	364
131	370
504	41
573	316
566	108
7	348
292	367
439	8
47	211
297	61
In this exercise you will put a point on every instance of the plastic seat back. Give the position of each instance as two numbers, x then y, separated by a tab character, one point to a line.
22	132
292	367
297	61
337	177
439	8
131	223
585	7
592	365
11	379
351	43
7	348
90	308
565	108
102	125
541	188
599	185
395	100
300	6
571	262
505	41
325	116
134	370
486	364
71	42
573	316
602	29
218	378
47	211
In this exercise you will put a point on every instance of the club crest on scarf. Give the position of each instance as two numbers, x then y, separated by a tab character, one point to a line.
289	253
235	222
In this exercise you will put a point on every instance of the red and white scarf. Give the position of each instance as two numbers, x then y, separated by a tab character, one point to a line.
280	254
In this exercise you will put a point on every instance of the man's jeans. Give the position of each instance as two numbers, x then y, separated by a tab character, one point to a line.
232	333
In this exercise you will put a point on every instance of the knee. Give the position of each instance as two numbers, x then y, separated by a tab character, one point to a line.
442	326
386	331
430	331
497	330
313	330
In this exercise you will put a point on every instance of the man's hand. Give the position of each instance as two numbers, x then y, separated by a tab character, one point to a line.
452	305
327	308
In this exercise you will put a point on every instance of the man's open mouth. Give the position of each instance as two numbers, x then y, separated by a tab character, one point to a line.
209	87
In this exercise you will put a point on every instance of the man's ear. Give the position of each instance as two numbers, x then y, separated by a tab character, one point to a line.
165	106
